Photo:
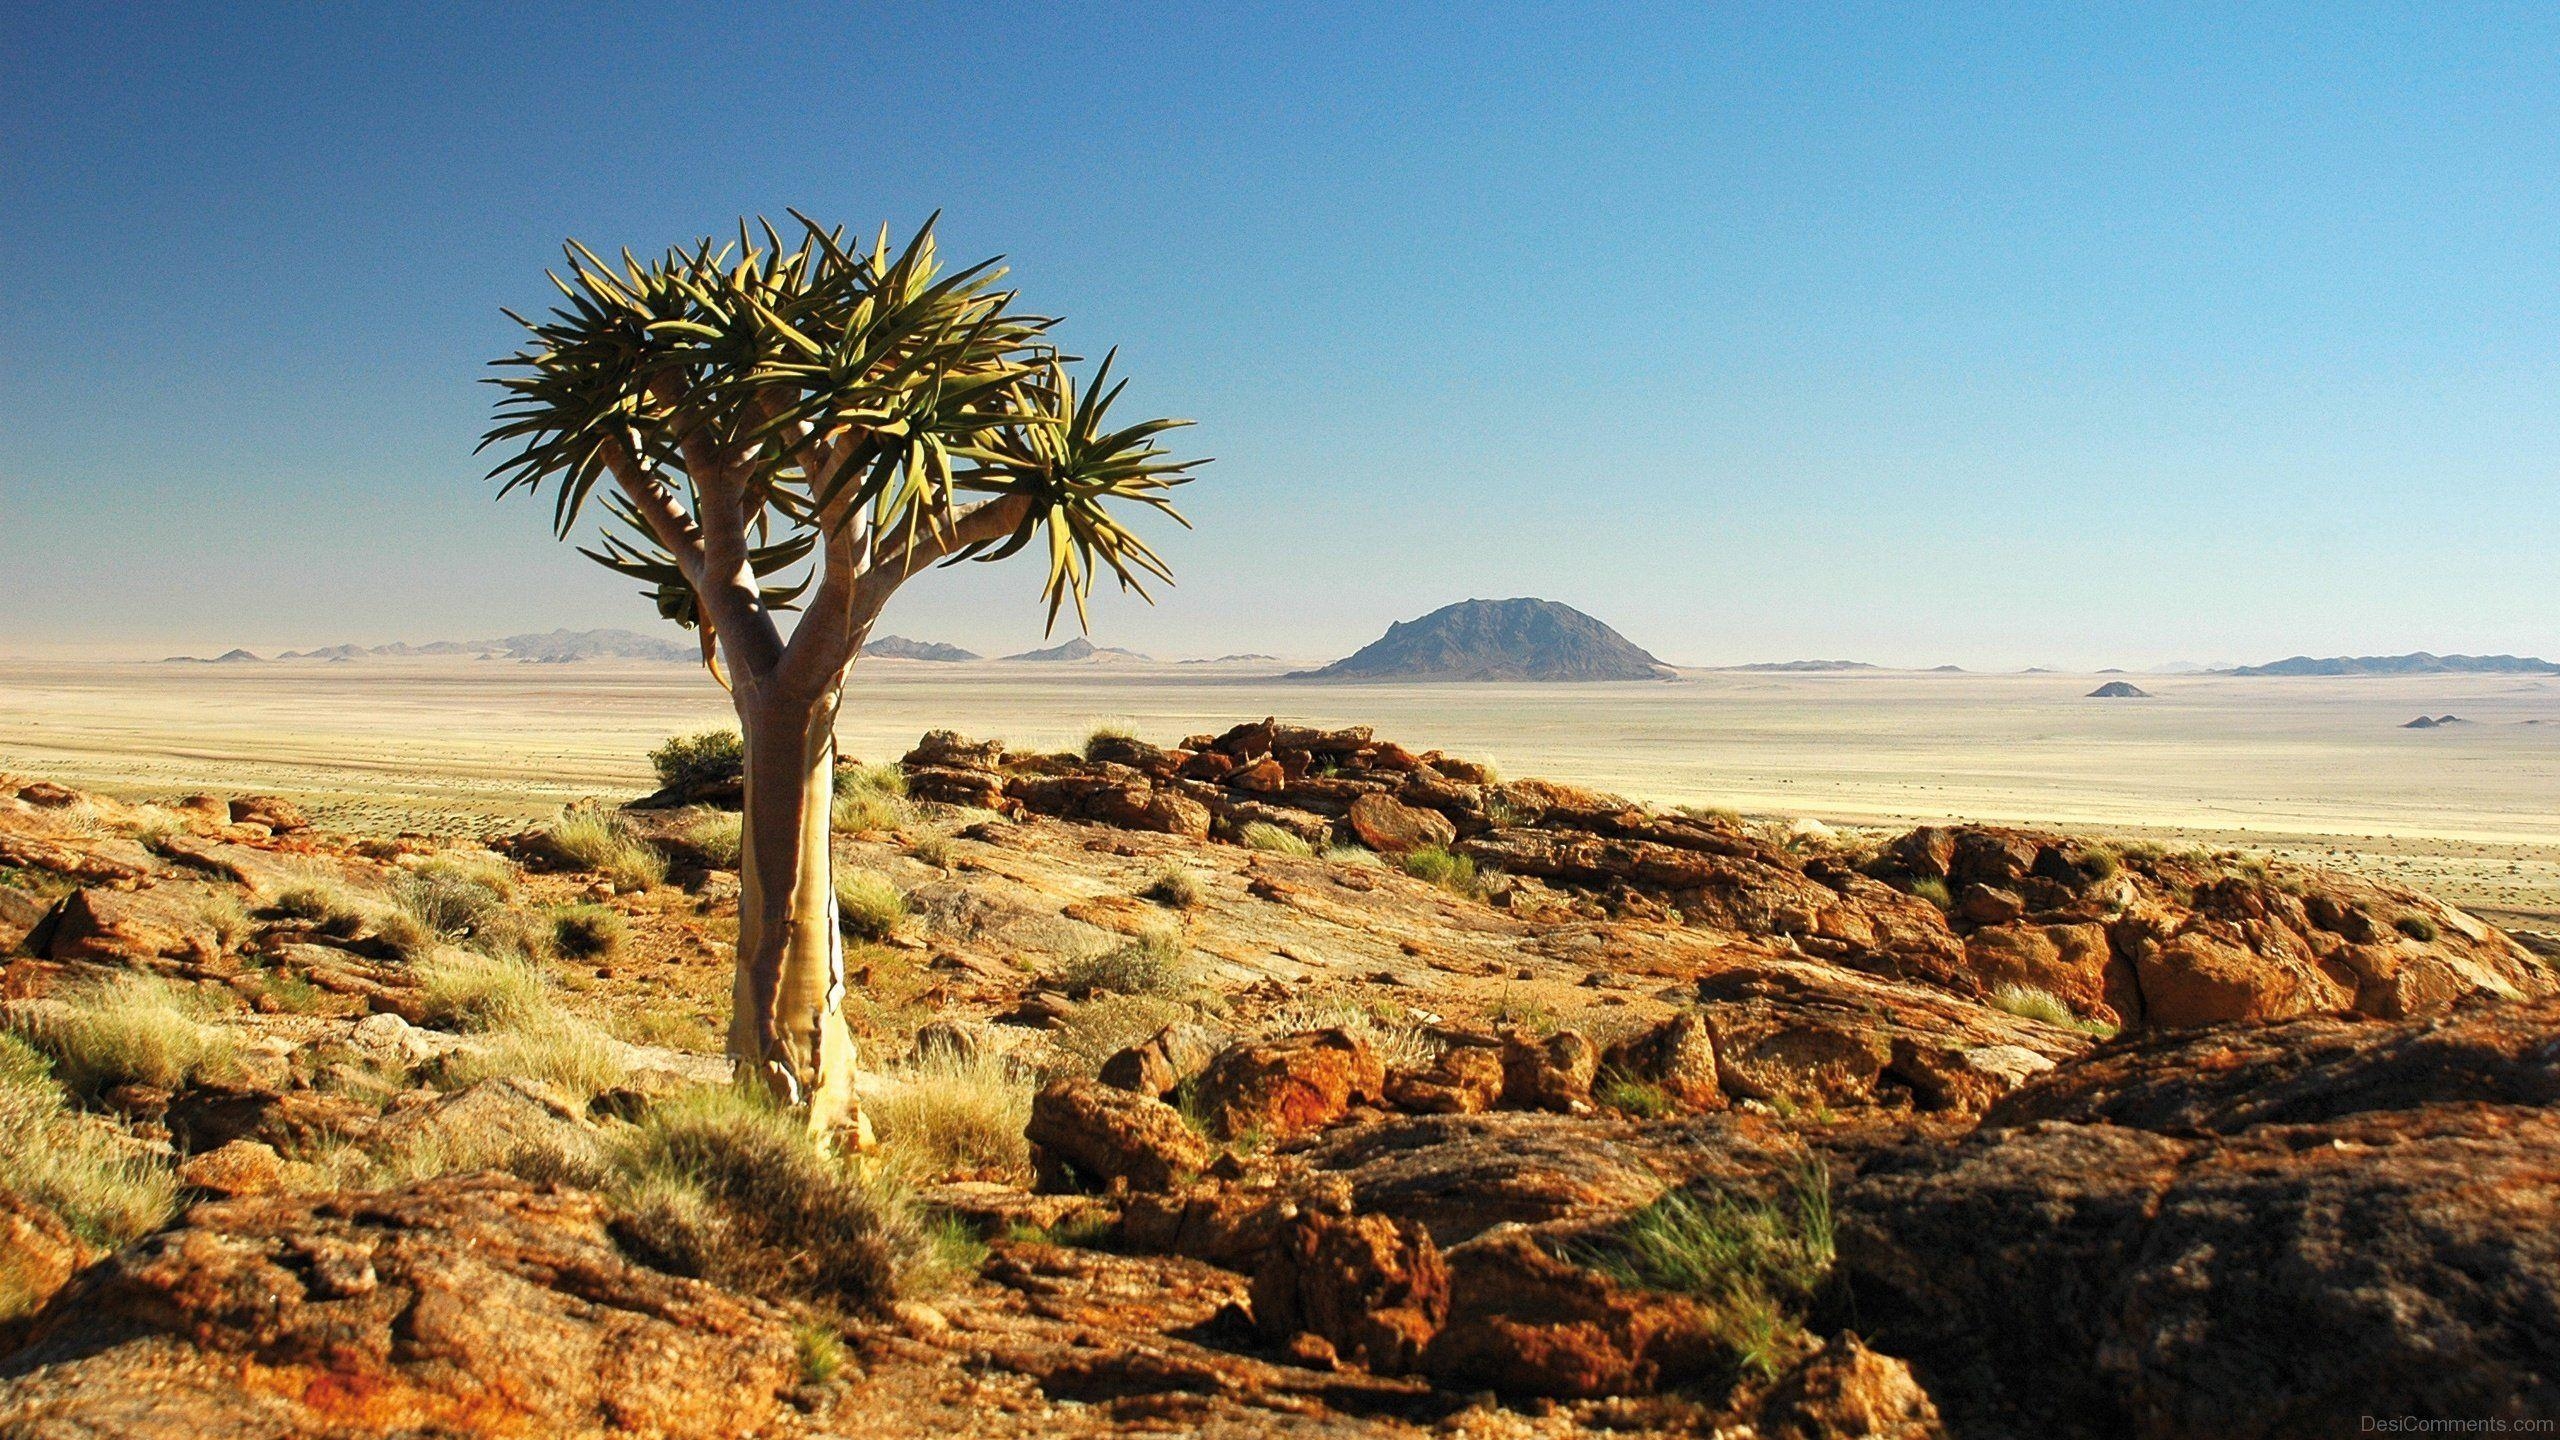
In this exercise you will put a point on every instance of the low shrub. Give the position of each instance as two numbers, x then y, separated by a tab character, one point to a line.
470	991
1106	1025
1934	891
331	909
553	1048
2029	1003
1152	962
933	847
709	758
2417	927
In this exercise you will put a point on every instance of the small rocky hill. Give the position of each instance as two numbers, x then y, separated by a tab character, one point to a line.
899	647
1522	639
1079	648
2119	690
2416	663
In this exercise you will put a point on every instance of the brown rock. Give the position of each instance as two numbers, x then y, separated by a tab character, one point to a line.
1290	1085
273	811
1676	1057
1990	905
1845	1391
2208	973
1088	1135
132	927
948	750
1460	1175
1522	1322
1155	1066
2068	962
1386	824
970	789
38	1256
1264	776
466	1305
1372	1288
243	1167
2254	1273
1464	1080
1553	1073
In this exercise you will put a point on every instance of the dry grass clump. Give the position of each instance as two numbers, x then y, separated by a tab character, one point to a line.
588	837
2418	927
1757	1263
1152	962
557	1050
1390	1031
229	918
1104	1026
1346	854
2029	1003
1103	736
1176	886
107	1189
933	847
467	990
947	1112
528	1035
471	867
1436	866
871	797
129	1029
870	906
587	932
325	906
1264	836
1934	891
718	1184
718	837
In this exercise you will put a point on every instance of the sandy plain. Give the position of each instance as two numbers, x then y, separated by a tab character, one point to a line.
2310	768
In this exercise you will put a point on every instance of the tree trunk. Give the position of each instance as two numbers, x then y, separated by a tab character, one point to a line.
786	1025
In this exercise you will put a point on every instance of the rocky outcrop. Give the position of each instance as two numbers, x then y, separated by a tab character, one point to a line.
1088	1135
1372	1289
473	1305
2251	1231
1289	1085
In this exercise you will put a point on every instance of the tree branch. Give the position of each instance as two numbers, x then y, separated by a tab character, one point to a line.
850	595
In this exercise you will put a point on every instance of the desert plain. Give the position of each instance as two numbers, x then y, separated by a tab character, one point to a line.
2307	768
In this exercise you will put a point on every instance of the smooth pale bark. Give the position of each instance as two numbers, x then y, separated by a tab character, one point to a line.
786	1024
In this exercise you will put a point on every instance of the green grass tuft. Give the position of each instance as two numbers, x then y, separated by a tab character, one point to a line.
587	837
870	906
130	1029
1152	962
1265	836
1758	1264
1430	863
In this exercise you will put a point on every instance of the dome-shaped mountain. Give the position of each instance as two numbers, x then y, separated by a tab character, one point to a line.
1521	639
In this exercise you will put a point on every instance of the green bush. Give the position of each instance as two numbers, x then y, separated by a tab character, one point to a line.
108	1189
1757	1263
692	760
1935	892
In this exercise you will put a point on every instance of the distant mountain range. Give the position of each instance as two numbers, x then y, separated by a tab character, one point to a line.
2420	663
1803	667
1078	649
557	647
1521	639
899	647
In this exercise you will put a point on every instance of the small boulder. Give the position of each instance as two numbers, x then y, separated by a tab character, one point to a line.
1088	1135
1392	827
1289	1085
1522	1322
1845	1391
1464	1080
1554	1073
131	927
242	1167
1676	1057
1156	1065
273	811
1372	1288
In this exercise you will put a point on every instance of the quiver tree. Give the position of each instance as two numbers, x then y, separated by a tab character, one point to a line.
778	425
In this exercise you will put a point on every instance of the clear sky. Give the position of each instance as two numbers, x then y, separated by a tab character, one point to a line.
1997	336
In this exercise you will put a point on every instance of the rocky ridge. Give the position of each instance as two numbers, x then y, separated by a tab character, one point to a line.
1994	1131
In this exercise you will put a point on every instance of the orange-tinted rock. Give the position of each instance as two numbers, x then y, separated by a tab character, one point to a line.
1552	1072
1676	1057
1845	1391
1373	1288
243	1167
273	811
132	927
1386	824
1522	1322
1290	1085
1088	1135
1463	1080
2066	961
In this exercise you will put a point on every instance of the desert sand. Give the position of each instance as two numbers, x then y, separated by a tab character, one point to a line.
2309	768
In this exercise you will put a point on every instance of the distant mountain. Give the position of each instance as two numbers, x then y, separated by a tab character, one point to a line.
227	657
2430	722
899	647
1246	658
1946	669
2420	663
1077	649
2119	690
1803	667
1522	639
556	648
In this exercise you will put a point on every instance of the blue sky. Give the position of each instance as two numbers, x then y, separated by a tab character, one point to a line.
1998	336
